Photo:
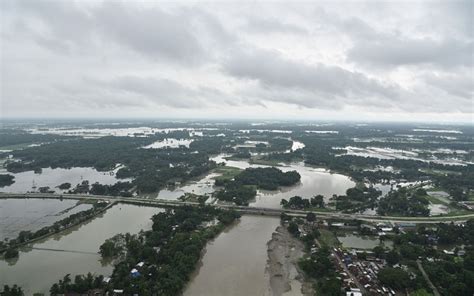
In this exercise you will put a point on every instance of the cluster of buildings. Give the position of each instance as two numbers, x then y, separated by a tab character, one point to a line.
360	275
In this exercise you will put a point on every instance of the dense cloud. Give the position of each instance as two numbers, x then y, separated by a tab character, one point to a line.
66	58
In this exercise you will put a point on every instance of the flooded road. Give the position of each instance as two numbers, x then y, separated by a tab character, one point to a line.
234	263
37	269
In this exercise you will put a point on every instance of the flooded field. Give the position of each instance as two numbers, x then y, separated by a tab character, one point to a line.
30	181
74	251
202	187
313	181
170	143
33	214
234	263
118	132
413	154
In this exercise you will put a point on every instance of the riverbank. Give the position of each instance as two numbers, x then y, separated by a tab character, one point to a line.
286	278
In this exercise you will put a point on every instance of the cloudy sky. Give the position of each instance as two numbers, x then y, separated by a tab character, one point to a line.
344	60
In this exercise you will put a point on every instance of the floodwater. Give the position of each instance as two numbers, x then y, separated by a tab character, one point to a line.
204	186
36	270
26	181
390	153
33	214
170	143
353	241
297	145
143	131
234	263
313	181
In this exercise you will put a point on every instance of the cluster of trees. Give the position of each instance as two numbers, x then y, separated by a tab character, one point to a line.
357	199
395	278
243	187
320	268
113	246
236	193
170	251
11	137
453	277
81	284
117	189
151	169
452	274
6	180
64	186
11	291
279	144
297	202
267	178
404	203
242	154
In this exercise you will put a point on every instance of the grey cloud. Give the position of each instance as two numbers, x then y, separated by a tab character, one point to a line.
152	32
193	56
272	70
272	25
461	85
392	51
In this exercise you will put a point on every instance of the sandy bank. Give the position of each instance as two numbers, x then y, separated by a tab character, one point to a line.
285	277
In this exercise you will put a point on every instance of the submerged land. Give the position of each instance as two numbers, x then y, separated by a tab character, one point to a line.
236	208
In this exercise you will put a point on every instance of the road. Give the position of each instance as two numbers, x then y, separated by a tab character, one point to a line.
433	287
247	209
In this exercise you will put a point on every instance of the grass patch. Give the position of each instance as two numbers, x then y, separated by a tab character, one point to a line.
328	238
435	200
227	172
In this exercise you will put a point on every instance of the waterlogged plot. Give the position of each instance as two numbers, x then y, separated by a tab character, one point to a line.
170	143
204	186
144	131
452	157
30	181
74	251
33	214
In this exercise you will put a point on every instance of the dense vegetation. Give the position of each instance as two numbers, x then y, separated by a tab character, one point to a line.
6	180
452	272
267	178
299	203
152	169
11	291
404	203
14	137
242	188
357	199
169	252
319	267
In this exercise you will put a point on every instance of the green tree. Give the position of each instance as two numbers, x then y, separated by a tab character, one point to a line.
293	228
310	217
396	278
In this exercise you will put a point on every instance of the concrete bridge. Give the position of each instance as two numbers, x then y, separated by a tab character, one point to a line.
246	209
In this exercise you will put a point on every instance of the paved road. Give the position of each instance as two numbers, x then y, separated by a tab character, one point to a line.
430	283
247	209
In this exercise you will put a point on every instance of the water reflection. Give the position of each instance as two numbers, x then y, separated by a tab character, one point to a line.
234	263
36	270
